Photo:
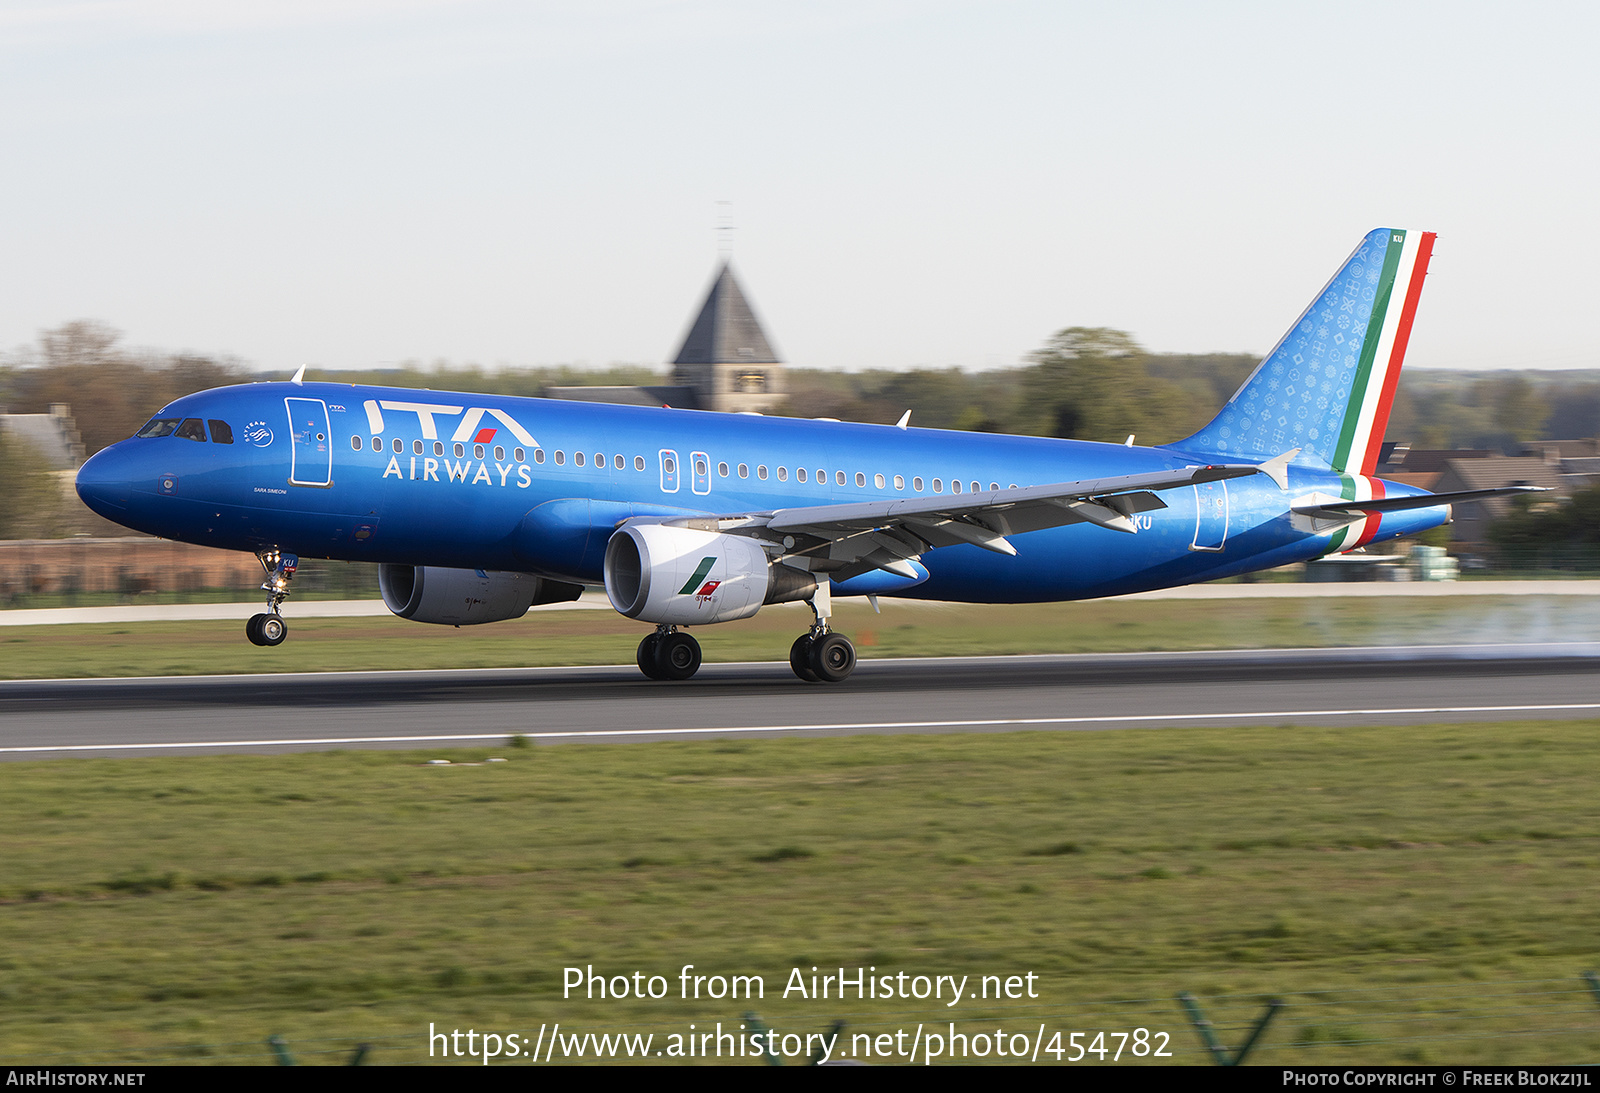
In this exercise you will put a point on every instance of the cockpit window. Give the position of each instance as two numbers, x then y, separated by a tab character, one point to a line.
221	432
158	426
191	429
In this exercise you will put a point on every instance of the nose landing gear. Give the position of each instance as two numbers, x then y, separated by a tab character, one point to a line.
269	628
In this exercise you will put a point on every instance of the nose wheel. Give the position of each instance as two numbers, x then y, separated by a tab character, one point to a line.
268	628
265	629
669	654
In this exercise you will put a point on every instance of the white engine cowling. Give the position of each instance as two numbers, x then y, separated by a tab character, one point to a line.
683	576
463	597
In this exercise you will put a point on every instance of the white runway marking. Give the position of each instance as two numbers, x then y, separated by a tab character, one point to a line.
857	726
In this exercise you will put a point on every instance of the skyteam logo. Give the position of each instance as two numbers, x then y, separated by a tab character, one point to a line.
258	433
697	585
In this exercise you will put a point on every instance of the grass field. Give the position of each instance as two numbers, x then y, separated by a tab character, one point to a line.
1415	895
903	629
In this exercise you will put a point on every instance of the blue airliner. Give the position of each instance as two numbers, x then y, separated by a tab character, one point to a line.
477	507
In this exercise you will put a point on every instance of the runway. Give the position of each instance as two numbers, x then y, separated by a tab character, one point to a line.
278	713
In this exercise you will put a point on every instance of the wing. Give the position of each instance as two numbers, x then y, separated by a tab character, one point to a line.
842	541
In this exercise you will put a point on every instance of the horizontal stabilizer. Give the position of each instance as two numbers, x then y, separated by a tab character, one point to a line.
1334	510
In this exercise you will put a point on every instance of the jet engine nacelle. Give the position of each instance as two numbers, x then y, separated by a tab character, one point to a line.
685	576
463	597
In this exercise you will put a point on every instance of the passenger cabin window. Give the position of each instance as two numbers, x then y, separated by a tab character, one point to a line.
377	443
438	447
355	444
192	429
638	463
783	474
399	445
221	432
561	457
416	447
761	472
159	426
538	455
499	454
800	474
621	463
577	458
519	455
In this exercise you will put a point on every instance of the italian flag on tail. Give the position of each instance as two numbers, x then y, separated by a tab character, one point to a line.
1405	264
1327	386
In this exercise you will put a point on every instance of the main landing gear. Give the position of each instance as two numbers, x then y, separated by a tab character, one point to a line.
817	656
820	655
269	627
669	653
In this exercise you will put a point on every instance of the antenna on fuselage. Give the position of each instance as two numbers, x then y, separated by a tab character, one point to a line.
299	377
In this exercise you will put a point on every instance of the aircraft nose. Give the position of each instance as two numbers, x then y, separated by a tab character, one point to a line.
104	484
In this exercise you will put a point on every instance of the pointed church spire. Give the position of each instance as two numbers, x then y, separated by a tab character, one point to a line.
726	331
726	356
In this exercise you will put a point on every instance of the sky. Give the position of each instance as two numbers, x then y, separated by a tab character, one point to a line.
355	183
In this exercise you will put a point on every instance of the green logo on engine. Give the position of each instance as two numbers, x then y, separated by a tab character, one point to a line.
693	583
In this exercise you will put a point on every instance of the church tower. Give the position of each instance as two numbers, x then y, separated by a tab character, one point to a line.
726	357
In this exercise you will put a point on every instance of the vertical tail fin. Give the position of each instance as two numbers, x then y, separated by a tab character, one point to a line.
1328	385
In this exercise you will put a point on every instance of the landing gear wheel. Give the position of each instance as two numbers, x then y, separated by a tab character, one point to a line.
800	658
833	658
677	656
272	630
647	655
252	629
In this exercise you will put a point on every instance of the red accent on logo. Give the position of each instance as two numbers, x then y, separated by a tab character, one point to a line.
705	591
484	436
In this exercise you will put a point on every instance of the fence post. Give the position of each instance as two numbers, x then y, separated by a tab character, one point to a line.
1208	1037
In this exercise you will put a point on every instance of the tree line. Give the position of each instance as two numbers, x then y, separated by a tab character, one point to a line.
1088	383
